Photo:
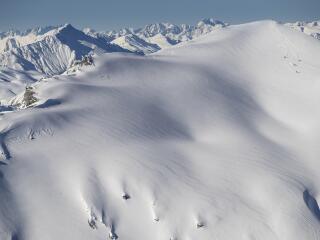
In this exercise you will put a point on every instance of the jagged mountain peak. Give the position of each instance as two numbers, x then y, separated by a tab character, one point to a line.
210	21
67	27
164	28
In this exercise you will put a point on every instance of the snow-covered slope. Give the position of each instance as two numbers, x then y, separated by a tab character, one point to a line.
135	44
13	82
216	138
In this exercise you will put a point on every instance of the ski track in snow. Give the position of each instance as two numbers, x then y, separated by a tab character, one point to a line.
216	138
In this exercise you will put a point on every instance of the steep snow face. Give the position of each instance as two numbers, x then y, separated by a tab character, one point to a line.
221	132
135	44
49	56
53	52
309	28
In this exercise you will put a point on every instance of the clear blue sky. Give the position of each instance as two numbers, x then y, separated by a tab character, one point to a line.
115	14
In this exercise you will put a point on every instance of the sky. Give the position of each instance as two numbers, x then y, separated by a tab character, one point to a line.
116	14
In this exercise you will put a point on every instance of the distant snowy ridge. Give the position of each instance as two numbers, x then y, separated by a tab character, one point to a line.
175	33
154	37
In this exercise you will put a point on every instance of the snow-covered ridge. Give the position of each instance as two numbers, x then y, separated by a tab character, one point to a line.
174	32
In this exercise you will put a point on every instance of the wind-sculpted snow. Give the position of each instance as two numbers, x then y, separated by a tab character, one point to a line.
216	138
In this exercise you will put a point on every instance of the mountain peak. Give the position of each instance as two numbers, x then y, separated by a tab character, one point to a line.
67	27
210	21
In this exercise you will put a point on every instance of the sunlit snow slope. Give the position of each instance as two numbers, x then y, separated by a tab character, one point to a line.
217	138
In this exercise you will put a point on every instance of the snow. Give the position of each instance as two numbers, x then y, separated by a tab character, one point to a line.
162	41
135	44
309	28
215	138
21	38
53	52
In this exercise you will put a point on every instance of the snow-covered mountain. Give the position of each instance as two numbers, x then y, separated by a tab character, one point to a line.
40	52
22	38
161	34
135	44
215	138
52	50
51	53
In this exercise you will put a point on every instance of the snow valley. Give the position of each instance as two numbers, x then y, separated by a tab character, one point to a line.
165	132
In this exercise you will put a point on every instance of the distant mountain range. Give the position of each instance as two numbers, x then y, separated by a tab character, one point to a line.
52	50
